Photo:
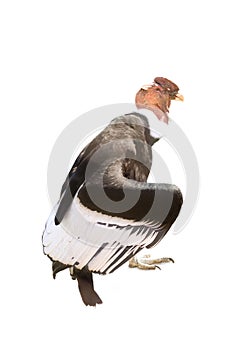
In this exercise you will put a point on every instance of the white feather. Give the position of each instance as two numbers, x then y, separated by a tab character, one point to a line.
80	240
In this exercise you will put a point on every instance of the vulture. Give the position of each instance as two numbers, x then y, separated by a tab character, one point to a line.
107	211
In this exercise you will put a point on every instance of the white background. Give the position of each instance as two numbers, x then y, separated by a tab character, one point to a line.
62	58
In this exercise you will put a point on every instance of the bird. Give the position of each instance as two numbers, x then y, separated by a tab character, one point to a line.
107	211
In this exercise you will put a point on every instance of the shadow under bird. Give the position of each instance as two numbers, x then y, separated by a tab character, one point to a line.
107	212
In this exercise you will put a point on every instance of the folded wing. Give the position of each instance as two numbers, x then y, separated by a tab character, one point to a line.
106	217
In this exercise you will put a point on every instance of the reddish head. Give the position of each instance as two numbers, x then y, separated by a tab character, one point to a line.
157	97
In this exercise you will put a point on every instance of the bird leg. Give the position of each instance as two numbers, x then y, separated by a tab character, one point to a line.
147	263
72	272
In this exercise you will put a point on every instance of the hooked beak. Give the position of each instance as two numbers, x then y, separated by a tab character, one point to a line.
179	97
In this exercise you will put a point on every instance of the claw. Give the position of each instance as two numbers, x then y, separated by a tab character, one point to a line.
145	263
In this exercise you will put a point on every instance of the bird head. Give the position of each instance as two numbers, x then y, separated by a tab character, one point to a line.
157	97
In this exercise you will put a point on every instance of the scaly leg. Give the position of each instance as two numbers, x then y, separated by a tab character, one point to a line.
147	263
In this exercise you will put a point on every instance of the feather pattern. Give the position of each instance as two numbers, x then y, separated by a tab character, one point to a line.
88	234
80	240
82	234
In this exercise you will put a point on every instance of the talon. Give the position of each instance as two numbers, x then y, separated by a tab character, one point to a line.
146	263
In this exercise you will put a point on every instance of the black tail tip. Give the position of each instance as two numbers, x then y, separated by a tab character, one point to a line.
92	301
86	289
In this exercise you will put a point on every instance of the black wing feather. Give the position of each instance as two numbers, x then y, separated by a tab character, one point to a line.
120	128
157	206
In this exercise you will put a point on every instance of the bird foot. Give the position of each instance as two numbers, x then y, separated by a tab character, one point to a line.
147	263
